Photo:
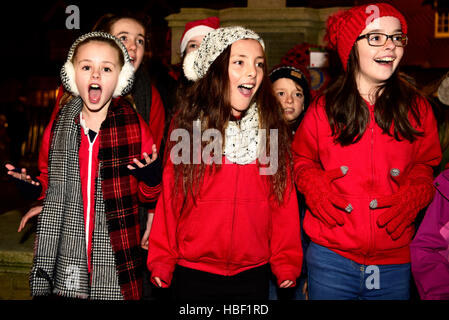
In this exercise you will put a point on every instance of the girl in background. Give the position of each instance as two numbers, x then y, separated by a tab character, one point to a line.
291	88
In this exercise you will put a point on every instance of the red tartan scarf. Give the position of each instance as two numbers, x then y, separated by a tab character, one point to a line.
120	142
60	262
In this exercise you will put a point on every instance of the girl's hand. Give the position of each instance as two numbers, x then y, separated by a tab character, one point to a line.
286	284
34	211
158	281
146	235
147	159
22	175
305	292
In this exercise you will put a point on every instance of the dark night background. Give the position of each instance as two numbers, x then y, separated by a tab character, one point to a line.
35	43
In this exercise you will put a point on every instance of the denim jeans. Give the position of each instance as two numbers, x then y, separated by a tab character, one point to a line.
333	277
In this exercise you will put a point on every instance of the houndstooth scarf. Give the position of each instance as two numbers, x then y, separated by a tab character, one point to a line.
60	261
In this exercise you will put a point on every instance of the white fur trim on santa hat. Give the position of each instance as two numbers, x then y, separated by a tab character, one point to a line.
195	31
187	66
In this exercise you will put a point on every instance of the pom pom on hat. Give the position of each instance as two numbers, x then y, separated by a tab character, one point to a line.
126	76
197	28
197	63
344	27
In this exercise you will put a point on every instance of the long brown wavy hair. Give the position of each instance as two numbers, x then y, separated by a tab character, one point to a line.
348	113
208	99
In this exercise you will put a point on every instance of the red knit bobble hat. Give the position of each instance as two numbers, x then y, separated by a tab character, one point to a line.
344	27
198	28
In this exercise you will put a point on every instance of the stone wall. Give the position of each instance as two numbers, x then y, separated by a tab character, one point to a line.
281	27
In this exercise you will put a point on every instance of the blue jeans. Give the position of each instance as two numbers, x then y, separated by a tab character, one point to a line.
333	277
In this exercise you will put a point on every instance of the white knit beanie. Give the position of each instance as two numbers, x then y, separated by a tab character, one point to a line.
126	76
196	63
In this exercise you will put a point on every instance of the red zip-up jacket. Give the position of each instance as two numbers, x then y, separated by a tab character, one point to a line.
369	161
234	226
88	161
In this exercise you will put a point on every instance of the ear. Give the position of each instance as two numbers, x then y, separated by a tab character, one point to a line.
68	78
188	65
125	80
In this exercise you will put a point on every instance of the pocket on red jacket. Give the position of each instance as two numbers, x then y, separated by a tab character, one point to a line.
203	234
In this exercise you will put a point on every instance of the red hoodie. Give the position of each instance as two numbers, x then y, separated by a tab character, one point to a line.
234	226
369	161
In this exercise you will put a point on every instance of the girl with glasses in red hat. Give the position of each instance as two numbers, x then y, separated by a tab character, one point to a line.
363	160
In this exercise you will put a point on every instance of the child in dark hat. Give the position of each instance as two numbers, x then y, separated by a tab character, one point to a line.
291	87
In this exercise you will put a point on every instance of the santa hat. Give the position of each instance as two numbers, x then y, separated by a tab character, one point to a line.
196	63
344	27
198	28
126	76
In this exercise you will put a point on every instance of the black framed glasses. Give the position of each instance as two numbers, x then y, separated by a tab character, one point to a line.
376	39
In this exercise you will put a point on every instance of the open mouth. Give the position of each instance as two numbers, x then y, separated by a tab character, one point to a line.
94	93
385	60
246	89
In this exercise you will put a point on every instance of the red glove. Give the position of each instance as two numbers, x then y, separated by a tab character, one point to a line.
412	197
315	184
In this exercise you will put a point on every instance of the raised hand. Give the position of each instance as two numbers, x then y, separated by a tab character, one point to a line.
20	174
147	159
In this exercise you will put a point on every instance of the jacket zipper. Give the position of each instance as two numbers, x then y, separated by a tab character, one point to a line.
371	218
89	187
233	218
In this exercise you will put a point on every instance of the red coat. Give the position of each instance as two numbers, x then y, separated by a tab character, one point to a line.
146	193
369	161
234	226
